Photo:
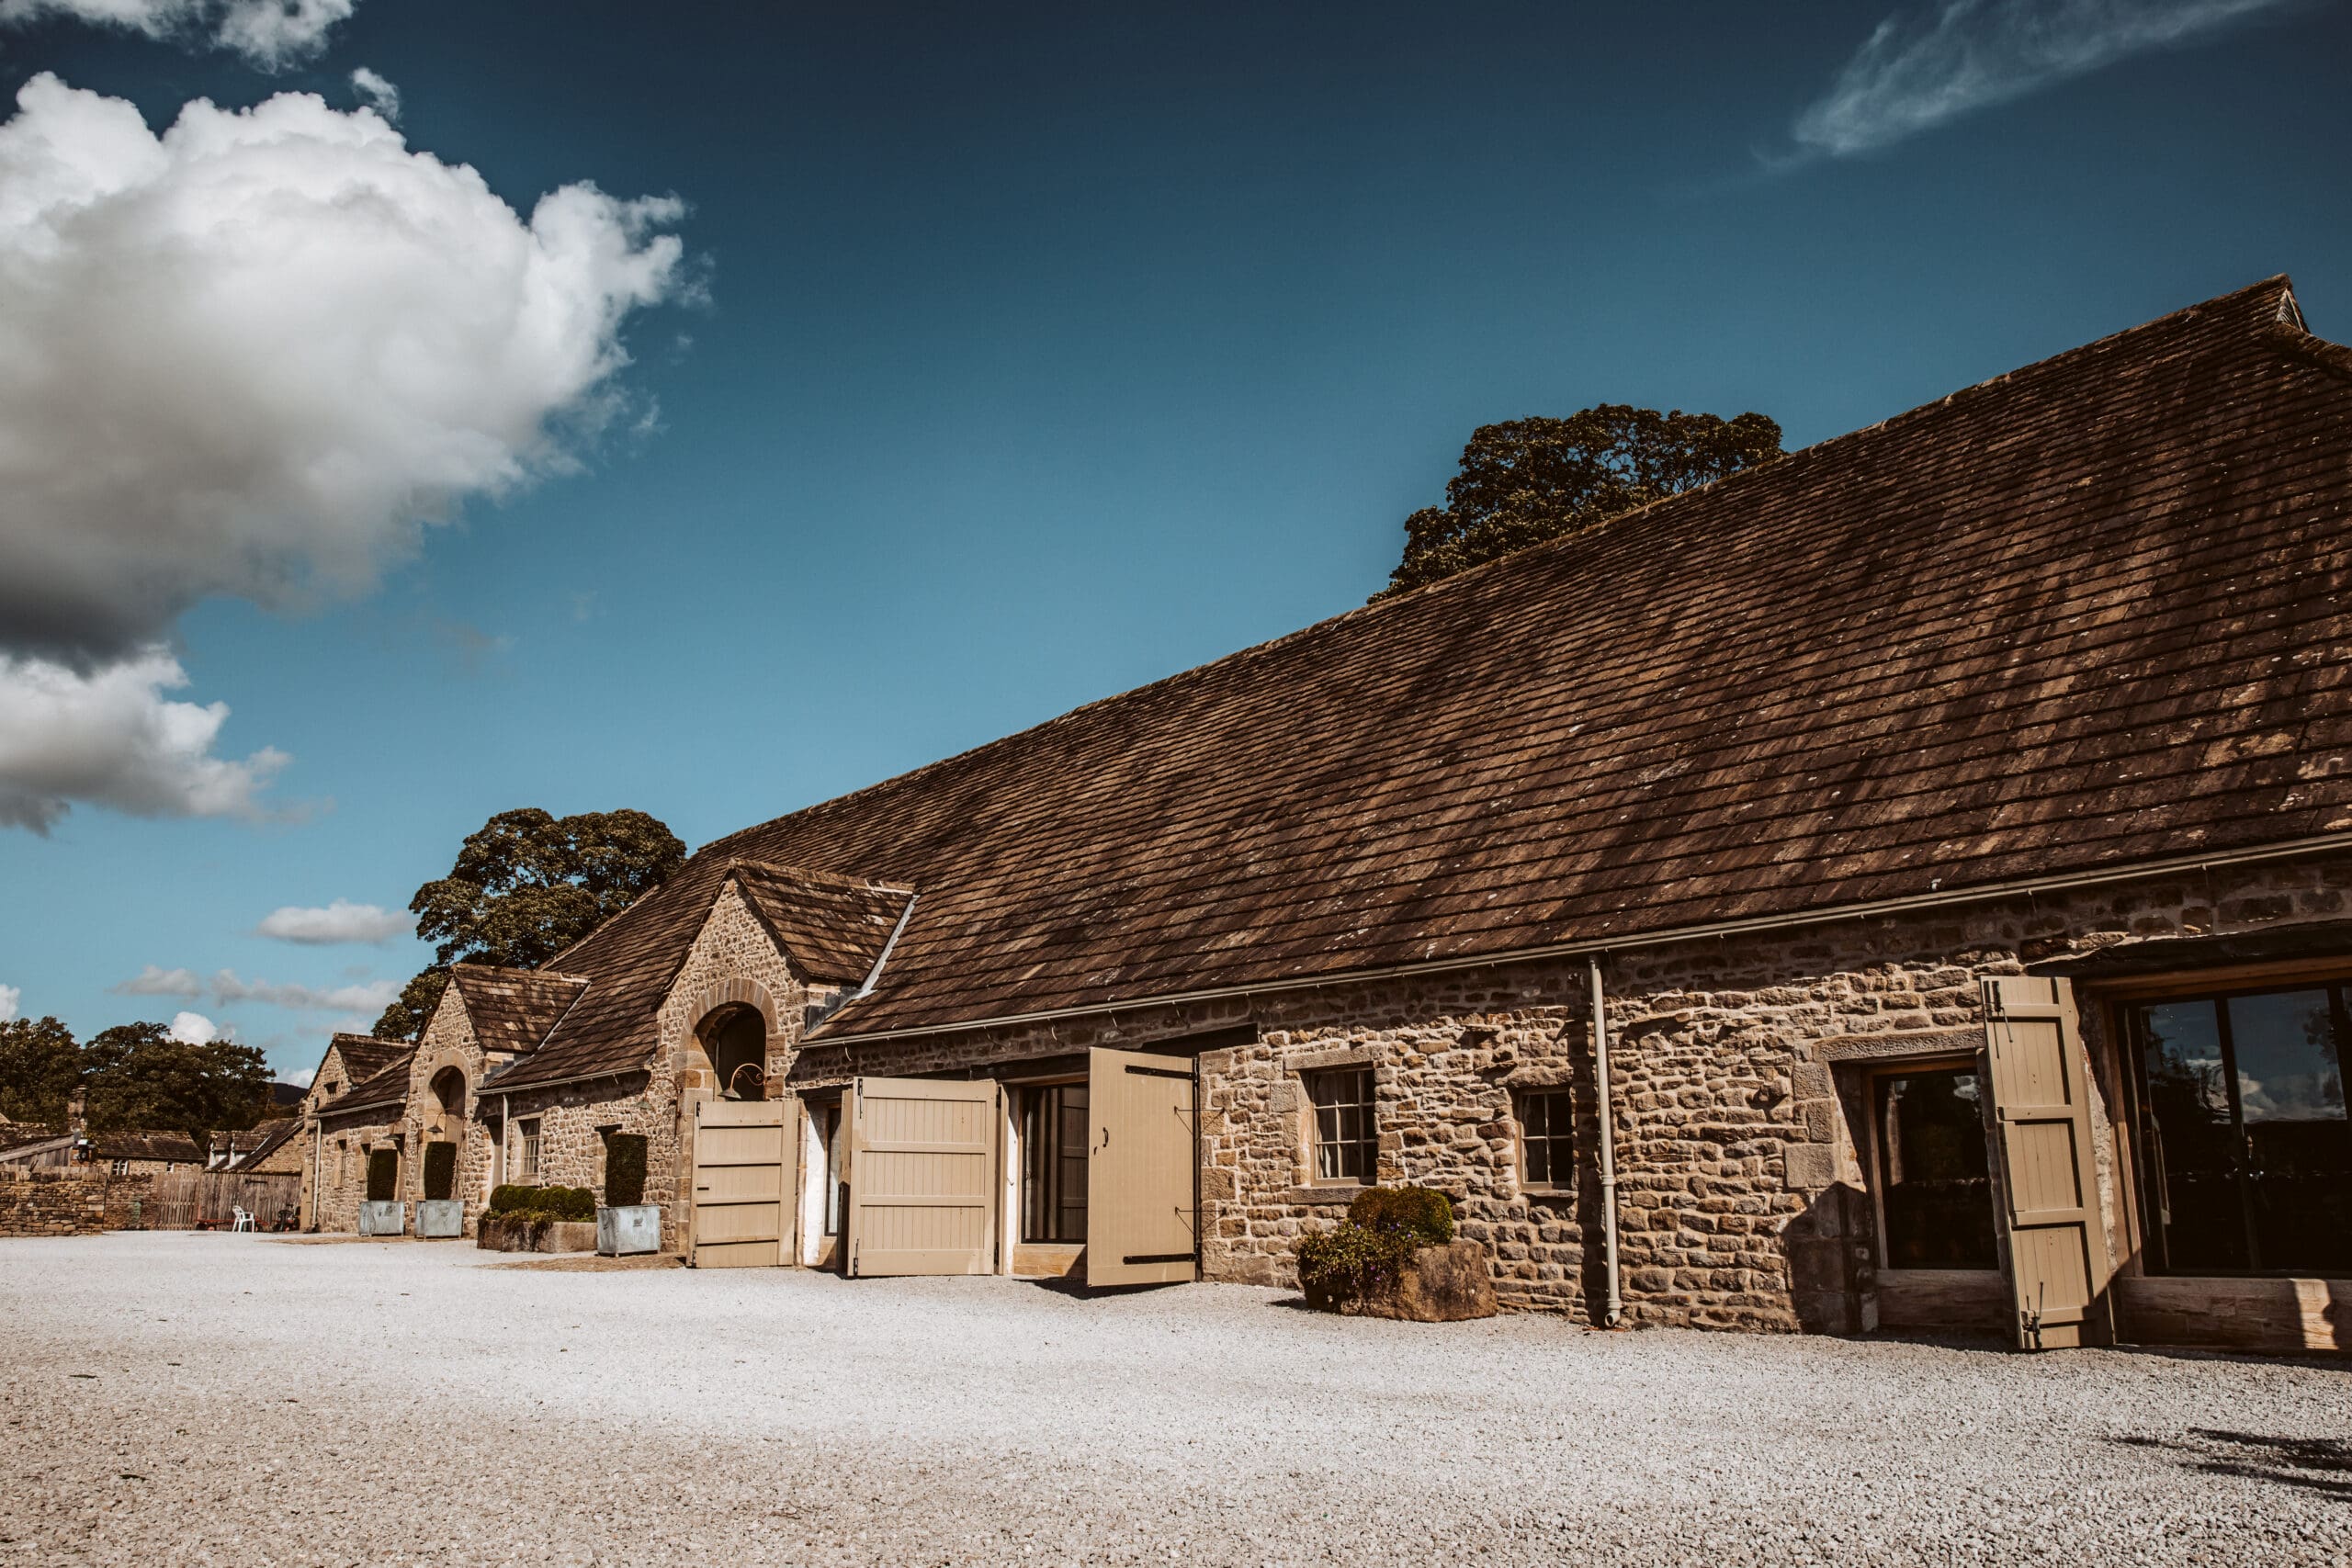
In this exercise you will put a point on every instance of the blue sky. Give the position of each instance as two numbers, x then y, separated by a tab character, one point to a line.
1018	355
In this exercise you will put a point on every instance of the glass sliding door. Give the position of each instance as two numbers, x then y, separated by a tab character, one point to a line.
2245	1149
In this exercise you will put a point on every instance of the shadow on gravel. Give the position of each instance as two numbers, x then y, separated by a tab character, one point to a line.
2315	1464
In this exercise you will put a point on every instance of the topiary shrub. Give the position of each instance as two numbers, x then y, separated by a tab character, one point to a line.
440	1170
625	1170
543	1203
383	1176
1377	1238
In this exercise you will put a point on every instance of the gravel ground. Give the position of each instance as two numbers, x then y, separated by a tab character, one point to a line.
213	1399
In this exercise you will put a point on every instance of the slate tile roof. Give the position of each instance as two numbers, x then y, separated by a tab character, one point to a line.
2091	613
511	1009
145	1143
386	1086
364	1055
833	927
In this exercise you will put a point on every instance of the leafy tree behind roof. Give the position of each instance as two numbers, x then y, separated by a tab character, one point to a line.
39	1064
138	1077
526	886
1529	480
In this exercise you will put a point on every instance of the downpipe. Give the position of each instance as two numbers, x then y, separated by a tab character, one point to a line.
1614	1308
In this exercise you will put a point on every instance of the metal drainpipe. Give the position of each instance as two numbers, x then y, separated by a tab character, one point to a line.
1615	1308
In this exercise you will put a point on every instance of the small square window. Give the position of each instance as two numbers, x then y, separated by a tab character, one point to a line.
123	1168
1547	1138
1347	1141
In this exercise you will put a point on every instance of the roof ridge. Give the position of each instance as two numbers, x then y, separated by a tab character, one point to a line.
519	969
864	884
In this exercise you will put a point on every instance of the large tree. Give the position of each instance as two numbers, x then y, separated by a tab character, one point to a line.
525	887
1527	480
138	1075
39	1064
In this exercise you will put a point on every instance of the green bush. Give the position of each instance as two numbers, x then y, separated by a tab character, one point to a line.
1420	1211
383	1176
624	1169
543	1203
1376	1240
440	1169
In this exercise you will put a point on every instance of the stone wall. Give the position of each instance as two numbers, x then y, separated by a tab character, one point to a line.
67	1203
1742	1204
341	1184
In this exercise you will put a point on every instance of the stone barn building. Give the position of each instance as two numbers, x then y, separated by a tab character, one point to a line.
1901	886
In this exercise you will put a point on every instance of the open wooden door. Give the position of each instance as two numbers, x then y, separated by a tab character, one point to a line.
2058	1265
1142	1218
746	1165
922	1176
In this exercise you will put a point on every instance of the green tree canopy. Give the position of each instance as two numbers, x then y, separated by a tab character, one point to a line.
138	1075
525	887
1527	480
39	1064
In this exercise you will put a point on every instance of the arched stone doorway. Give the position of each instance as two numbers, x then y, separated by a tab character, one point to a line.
735	1039
446	1135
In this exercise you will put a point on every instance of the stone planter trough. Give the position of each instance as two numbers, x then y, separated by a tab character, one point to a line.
1443	1284
523	1233
383	1219
440	1218
630	1229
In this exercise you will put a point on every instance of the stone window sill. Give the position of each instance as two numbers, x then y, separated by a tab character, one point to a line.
1326	1193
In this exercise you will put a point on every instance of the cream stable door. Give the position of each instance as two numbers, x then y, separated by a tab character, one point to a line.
746	1172
1143	1218
923	1176
2059	1265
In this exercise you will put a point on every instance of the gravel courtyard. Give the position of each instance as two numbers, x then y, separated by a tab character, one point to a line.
212	1399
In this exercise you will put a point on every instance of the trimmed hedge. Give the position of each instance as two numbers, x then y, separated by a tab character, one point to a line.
1368	1248
544	1202
383	1176
440	1170
625	1170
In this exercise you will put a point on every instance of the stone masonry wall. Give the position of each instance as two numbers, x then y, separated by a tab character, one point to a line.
343	1175
67	1203
1741	1195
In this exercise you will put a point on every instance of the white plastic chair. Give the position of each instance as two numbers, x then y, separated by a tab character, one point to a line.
244	1221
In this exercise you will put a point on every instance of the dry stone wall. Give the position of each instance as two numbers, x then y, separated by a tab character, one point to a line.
69	1203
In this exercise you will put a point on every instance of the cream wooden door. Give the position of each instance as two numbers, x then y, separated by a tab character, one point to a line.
1142	1214
922	1176
2059	1265
746	1162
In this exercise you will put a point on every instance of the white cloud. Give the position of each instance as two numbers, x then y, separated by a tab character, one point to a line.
299	1077
340	921
194	1029
10	997
155	982
1924	67
112	737
226	988
377	93
257	355
270	33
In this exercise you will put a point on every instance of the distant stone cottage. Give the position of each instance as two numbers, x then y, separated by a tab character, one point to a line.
1951	823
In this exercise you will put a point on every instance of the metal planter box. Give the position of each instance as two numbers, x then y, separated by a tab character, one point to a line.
439	1218
621	1232
383	1219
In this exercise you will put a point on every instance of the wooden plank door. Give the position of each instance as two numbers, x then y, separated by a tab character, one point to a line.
2058	1265
1142	1214
743	1154
922	1176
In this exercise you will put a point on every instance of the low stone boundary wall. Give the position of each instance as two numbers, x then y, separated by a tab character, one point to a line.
68	1202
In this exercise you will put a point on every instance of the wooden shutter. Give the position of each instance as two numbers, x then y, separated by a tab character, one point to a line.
1141	1210
922	1176
742	1152
2058	1265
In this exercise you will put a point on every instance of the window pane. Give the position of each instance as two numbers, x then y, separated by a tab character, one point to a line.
2298	1145
1933	1171
2191	1151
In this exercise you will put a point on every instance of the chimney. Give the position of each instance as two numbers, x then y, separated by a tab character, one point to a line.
77	1118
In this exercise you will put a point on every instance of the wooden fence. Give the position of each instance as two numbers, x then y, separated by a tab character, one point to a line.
194	1200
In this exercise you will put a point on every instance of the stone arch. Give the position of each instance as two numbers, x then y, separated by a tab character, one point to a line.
721	1037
